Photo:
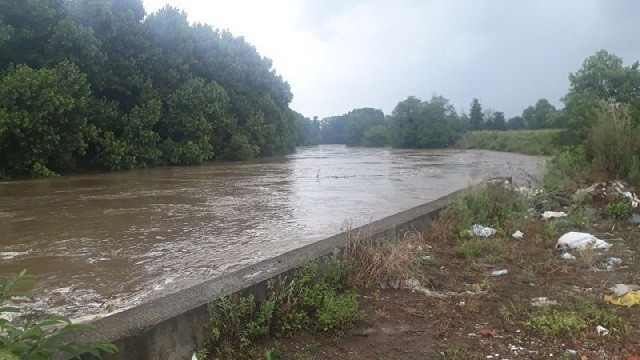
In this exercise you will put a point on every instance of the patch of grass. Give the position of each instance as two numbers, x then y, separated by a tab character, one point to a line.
490	248
319	297
395	258
493	204
618	211
573	318
454	352
531	142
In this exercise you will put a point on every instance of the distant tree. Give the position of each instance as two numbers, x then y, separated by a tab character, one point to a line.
535	117
516	123
307	130
428	124
476	116
498	121
358	121
376	136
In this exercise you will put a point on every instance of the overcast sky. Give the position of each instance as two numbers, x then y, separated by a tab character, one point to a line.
338	55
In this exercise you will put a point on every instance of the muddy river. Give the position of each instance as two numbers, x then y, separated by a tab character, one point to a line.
123	238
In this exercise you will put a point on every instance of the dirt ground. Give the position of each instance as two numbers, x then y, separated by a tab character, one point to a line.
465	313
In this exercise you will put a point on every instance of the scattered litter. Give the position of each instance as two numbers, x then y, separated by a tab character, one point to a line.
194	356
621	289
635	219
602	330
414	285
581	194
613	261
487	333
571	352
553	214
517	235
500	272
618	186
543	301
581	241
623	294
567	256
479	230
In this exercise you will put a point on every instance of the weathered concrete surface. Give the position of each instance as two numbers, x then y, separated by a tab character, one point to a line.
172	327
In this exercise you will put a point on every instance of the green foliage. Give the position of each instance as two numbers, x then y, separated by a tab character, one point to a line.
537	117
610	142
42	120
476	116
491	206
359	127
99	85
602	77
40	338
428	124
567	171
620	210
376	136
492	249
572	318
531	142
318	297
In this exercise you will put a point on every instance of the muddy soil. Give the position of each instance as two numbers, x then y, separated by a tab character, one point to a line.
490	317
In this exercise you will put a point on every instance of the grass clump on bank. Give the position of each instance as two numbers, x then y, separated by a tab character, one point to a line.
531	142
319	298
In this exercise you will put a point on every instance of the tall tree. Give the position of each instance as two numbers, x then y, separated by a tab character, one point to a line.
476	116
602	77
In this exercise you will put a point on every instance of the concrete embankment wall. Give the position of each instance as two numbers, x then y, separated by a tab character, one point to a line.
173	327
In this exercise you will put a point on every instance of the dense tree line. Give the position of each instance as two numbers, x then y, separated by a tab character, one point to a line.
98	84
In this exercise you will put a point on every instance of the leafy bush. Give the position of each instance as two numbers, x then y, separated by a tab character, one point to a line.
319	297
492	205
41	338
618	210
610	141
567	171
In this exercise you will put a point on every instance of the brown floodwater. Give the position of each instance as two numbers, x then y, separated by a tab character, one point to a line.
127	237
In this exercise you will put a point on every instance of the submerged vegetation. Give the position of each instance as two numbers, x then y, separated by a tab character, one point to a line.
41	338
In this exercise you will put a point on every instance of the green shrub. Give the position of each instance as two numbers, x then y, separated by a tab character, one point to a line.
319	297
41	338
490	206
566	172
618	211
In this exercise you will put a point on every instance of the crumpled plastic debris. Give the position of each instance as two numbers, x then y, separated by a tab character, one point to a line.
581	241
602	330
612	262
621	289
553	214
567	256
500	272
543	301
479	230
624	294
633	198
517	235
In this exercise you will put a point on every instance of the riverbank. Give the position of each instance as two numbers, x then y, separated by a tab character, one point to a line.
530	142
432	294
